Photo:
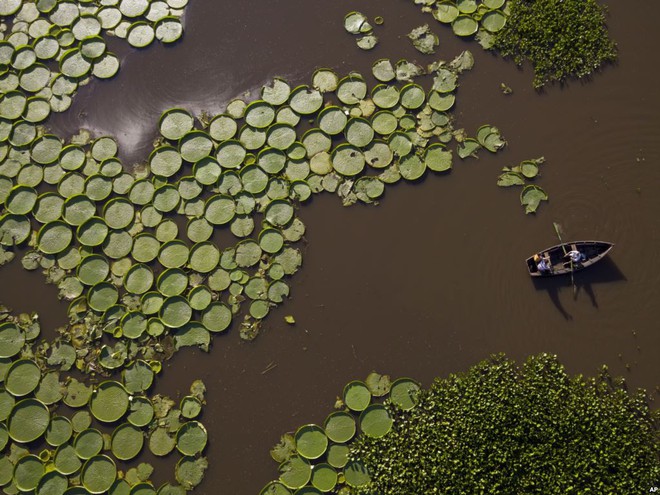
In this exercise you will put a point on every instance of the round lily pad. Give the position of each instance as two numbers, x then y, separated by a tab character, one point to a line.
59	431
338	455
356	474
27	472
141	411
437	158
175	123
464	25
172	282
93	269
52	483
22	377
65	460
173	254
102	296
348	160
98	474
54	237
295	472
493	21
127	441
138	377
175	312
324	477
88	443
191	438
28	420
375	421
217	317
189	471
351	89
305	100
356	395
412	167
340	427
220	209
109	401
311	441
92	232
165	161
139	279
12	339
190	407
404	393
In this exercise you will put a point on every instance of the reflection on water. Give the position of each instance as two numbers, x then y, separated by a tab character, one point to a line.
433	279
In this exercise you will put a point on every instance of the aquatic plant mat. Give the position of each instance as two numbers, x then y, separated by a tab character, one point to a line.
498	426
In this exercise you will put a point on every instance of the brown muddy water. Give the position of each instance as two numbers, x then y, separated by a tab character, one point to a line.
433	279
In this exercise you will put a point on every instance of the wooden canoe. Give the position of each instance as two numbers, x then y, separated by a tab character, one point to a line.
593	250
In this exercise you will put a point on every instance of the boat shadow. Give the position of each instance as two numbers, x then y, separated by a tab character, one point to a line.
604	272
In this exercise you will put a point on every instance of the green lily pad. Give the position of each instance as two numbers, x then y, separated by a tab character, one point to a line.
275	488
93	269
98	474
352	89
437	158
139	279
412	167
277	93
77	394
189	471
127	441
338	455
295	472
464	25
88	443
531	196
356	474
375	421
54	237
22	377
175	123
109	401
59	431
28	420
191	438
12	339
324	477
404	393
356	396
174	254
52	483
161	442
65	460
50	389
190	407
102	296
138	377
217	317
92	232
305	100
27	472
311	441
165	161
141	411
340	427
493	21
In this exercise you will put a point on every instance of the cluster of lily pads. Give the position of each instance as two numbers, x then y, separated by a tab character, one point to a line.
531	195
50	47
358	24
82	430
136	253
316	459
479	18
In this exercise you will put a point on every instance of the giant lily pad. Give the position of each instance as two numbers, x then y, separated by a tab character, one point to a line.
98	474
22	377
375	421
295	472
404	393
127	441
191	438
340	427
357	395
189	471
28	420
109	401
531	196
311	441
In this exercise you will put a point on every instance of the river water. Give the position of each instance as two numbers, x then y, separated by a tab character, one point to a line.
433	279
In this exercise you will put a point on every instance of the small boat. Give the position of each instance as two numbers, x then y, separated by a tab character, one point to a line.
594	251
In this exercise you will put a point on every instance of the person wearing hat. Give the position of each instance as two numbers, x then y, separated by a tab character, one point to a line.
542	264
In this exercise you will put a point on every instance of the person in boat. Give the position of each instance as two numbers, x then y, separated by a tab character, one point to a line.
575	256
542	264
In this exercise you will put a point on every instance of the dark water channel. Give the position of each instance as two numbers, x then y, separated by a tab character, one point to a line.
432	280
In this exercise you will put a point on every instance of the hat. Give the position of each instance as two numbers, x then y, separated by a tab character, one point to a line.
537	258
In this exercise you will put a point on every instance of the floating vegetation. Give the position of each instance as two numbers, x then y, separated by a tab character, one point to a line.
562	39
317	457
531	194
477	425
110	422
423	39
357	24
510	425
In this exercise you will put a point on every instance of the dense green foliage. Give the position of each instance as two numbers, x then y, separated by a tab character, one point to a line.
501	429
561	38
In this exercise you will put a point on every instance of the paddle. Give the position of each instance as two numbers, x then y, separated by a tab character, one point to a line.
563	247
